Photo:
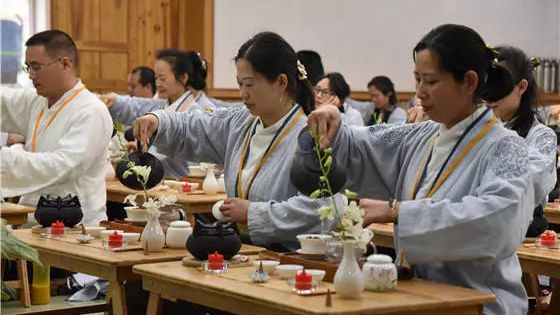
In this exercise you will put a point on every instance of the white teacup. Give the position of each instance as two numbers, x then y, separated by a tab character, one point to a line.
216	211
134	213
317	275
131	237
314	244
288	271
268	265
95	231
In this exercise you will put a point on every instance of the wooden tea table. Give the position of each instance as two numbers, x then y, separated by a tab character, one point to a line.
540	261
552	213
14	213
173	280
533	260
383	234
191	203
115	267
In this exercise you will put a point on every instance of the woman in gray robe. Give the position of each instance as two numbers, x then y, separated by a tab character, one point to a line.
517	111
459	185
332	89
180	80
256	143
384	97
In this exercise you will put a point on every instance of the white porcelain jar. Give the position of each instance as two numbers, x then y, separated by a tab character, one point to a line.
380	273
177	234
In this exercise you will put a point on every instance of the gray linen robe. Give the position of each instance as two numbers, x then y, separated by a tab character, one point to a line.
468	232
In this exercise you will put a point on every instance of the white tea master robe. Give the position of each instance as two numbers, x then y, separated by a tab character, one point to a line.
467	233
276	213
126	109
70	154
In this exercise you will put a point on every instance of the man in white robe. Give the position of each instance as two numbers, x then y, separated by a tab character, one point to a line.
66	128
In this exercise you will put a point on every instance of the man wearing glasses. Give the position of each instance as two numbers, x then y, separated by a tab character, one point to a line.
66	130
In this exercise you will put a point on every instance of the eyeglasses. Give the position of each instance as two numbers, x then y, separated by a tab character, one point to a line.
34	68
326	92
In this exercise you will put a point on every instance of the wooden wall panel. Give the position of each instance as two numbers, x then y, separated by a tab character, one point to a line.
114	21
90	66
86	20
118	68
114	36
101	36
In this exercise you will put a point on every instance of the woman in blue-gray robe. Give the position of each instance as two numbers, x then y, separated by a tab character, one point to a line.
180	79
256	144
517	111
460	183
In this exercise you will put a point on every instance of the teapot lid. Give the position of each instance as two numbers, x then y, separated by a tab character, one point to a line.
379	259
180	224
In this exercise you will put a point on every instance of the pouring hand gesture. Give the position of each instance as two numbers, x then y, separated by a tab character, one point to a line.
325	120
143	128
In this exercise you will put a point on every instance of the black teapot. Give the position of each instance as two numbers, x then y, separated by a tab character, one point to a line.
305	170
50	209
211	236
141	159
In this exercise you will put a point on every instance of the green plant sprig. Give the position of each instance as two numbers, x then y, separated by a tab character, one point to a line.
324	156
142	178
13	248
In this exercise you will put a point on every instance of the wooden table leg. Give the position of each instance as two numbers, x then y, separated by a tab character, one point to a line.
154	304
108	300
554	307
118	298
24	295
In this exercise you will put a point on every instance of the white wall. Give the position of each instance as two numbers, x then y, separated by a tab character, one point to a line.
364	38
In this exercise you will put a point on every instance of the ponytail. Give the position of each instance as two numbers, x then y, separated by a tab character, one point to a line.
521	68
198	74
499	80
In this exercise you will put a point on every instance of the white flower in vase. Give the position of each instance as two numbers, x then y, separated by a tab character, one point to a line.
131	199
326	213
348	279
152	238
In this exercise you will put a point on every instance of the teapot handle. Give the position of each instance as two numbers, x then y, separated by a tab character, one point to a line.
139	146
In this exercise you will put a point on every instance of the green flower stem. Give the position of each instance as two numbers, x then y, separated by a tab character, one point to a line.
324	171
143	184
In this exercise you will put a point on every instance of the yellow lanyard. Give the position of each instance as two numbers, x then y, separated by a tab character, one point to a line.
40	117
183	107
243	193
456	162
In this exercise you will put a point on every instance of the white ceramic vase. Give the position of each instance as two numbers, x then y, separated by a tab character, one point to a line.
210	184
153	235
348	279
